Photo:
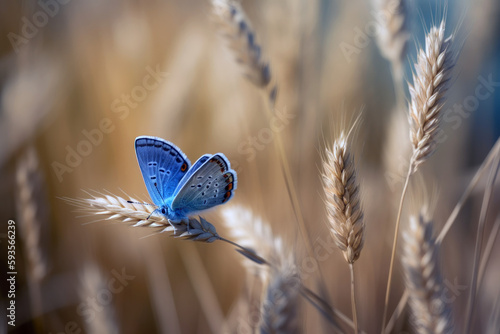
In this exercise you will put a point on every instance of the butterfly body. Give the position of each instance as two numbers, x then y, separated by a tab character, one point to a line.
178	189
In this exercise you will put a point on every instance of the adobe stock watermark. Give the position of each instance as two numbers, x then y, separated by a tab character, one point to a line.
253	144
89	308
455	117
371	29
31	26
121	107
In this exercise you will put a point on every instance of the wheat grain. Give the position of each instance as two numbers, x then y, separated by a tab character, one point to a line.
344	212
430	311
430	83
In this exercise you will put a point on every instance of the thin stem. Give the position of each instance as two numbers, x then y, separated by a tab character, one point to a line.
353	300
397	312
394	245
397	78
487	251
479	241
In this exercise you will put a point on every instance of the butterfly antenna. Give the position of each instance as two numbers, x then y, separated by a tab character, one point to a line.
156	186
132	202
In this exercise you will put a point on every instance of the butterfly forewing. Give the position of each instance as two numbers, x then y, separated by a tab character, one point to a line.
213	183
162	165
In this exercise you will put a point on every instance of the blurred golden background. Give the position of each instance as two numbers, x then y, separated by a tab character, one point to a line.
81	79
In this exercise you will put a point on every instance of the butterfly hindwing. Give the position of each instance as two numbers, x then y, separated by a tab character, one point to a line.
213	183
162	165
193	169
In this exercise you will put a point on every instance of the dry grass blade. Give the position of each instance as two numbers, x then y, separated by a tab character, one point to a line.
242	39
279	310
343	199
430	311
430	83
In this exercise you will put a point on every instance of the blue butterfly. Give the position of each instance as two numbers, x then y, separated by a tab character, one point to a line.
178	189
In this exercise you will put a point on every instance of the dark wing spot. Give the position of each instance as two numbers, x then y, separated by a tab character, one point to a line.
199	186
162	170
178	160
183	167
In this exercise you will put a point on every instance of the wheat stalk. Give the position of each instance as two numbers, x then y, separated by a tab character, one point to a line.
237	28
430	83
430	311
345	215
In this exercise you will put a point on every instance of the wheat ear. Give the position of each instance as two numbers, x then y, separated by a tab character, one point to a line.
343	205
32	219
237	29
279	309
430	311
392	37
430	83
